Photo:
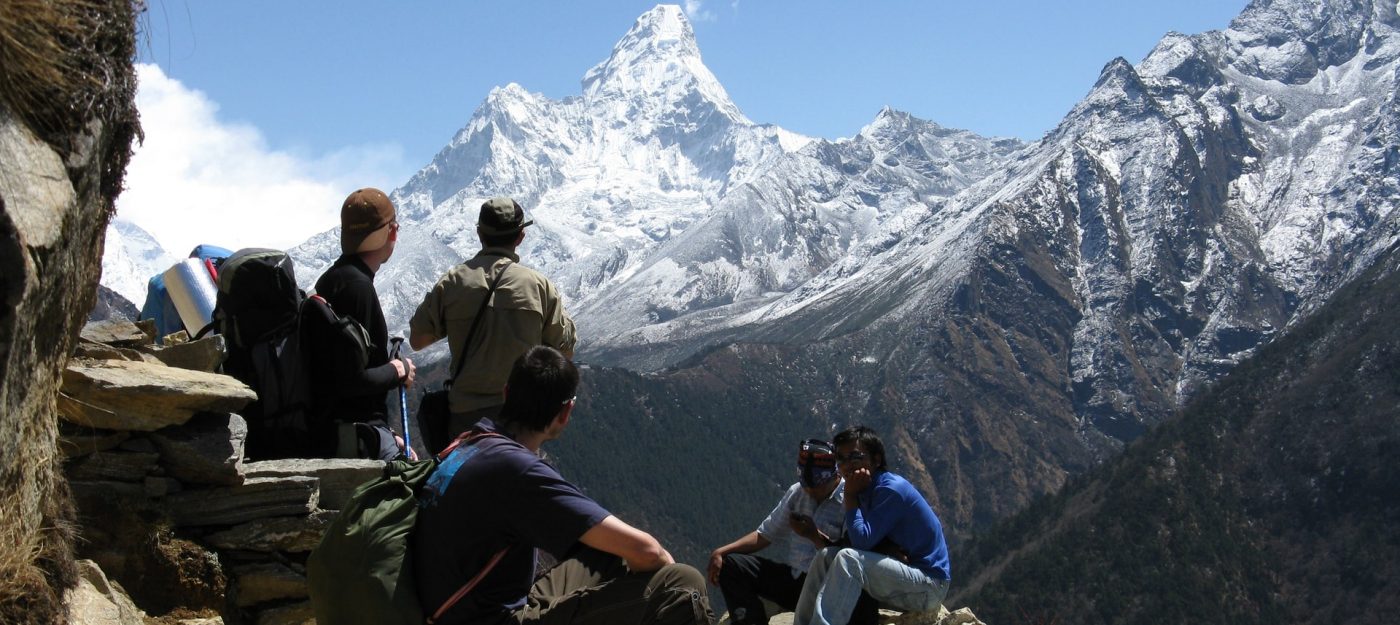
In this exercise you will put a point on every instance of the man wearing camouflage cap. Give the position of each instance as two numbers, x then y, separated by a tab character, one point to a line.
518	309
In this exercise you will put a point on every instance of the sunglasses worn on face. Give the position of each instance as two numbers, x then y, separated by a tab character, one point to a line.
855	456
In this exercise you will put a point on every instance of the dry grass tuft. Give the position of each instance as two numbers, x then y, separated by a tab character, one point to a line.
64	63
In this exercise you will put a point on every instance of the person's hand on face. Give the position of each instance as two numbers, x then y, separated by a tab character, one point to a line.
853	463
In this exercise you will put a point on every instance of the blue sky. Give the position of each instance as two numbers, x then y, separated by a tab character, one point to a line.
306	100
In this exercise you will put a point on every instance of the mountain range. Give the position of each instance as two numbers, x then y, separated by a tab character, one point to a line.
1006	314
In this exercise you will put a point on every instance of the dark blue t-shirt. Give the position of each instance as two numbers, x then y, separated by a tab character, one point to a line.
492	495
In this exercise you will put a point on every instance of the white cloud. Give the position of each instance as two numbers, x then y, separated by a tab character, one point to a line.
199	179
695	10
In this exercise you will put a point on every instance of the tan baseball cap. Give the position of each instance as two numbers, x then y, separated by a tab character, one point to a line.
364	221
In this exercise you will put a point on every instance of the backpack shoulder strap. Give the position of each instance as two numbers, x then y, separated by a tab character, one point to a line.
471	334
466	588
471	437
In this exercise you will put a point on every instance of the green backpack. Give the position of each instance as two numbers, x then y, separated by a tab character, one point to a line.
361	571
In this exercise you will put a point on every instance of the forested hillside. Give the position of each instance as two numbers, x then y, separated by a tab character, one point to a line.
1271	500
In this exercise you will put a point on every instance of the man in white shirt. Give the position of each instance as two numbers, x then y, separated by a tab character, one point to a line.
809	517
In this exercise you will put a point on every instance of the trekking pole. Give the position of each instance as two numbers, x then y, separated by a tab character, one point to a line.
403	400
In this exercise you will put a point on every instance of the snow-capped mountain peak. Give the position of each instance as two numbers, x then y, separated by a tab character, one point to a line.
659	60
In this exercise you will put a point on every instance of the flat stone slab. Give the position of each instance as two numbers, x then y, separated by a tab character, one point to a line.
139	396
76	444
339	476
102	351
122	466
298	534
118	332
254	499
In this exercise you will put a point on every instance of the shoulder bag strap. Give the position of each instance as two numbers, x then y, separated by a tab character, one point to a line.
471	334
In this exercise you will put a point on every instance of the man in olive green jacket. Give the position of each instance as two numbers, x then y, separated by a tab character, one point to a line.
524	311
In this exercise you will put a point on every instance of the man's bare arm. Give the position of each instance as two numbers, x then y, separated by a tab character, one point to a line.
641	552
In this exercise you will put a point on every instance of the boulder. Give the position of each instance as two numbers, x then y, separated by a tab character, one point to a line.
97	601
118	395
206	354
66	127
268	581
339	476
254	499
294	614
123	466
206	450
299	534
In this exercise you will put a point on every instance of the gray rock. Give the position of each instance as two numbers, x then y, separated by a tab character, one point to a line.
119	395
298	534
206	450
269	581
295	614
1266	109
97	601
339	476
254	499
206	354
89	441
123	466
118	332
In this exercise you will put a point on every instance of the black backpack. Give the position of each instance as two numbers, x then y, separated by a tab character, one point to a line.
266	321
257	311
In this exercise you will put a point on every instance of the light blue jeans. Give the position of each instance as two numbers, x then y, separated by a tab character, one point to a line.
839	574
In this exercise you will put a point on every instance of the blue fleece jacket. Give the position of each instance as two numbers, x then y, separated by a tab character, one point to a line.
892	508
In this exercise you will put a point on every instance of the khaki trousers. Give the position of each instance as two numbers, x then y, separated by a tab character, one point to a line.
595	588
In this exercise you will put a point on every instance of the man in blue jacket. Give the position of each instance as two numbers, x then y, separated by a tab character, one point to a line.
897	551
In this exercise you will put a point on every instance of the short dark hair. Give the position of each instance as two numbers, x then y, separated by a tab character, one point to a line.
497	240
541	381
867	439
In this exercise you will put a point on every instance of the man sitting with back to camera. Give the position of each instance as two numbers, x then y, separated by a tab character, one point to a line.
897	551
493	500
809	517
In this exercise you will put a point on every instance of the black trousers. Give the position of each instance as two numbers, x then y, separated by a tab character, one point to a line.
746	580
